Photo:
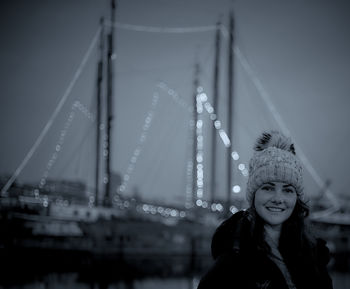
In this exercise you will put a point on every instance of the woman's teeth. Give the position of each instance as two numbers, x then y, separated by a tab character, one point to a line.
274	209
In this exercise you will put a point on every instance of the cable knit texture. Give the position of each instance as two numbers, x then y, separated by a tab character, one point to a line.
274	160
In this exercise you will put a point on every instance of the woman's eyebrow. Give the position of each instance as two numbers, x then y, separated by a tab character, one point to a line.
271	184
289	185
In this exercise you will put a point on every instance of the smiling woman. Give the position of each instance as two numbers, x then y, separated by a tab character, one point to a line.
275	202
268	246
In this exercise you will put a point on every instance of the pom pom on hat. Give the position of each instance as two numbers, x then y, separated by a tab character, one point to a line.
274	160
274	139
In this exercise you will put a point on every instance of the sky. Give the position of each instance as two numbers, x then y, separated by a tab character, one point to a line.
290	72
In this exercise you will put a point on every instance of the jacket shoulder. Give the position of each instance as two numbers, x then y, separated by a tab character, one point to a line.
226	236
221	272
323	258
322	251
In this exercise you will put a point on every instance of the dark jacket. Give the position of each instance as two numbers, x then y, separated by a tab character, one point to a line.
239	263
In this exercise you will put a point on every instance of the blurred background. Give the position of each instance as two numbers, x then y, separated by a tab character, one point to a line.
127	128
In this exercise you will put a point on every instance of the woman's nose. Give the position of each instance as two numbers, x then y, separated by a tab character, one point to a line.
277	197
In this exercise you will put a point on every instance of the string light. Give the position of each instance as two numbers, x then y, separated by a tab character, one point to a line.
201	96
236	189
245	172
76	106
84	110
223	135
133	159
175	96
233	209
189	173
235	155
241	167
201	104
163	211
190	166
217	124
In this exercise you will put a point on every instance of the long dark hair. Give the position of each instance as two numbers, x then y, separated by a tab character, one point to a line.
295	235
297	243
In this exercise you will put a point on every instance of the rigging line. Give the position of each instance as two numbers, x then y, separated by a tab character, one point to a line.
212	115
76	106
163	85
154	29
138	150
74	152
148	178
266	98
54	114
175	96
223	135
160	150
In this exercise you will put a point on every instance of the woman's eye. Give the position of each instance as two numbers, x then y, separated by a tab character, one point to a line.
266	188
289	190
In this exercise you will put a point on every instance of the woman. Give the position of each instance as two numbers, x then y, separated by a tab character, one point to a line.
268	245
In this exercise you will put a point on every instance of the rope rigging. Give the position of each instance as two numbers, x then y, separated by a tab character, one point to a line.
76	106
212	116
153	29
256	81
54	114
279	120
175	96
133	160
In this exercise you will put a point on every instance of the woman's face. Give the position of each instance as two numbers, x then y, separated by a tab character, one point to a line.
275	202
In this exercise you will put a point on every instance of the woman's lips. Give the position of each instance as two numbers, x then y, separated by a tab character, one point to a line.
275	209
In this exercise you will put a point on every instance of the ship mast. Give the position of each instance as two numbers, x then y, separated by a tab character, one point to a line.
215	106
110	57
99	113
229	116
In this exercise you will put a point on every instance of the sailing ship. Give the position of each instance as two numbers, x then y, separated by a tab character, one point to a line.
104	241
126	238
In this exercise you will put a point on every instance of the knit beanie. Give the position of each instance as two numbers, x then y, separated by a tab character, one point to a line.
274	160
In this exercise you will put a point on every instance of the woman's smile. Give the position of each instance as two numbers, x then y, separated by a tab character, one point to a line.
274	209
275	202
